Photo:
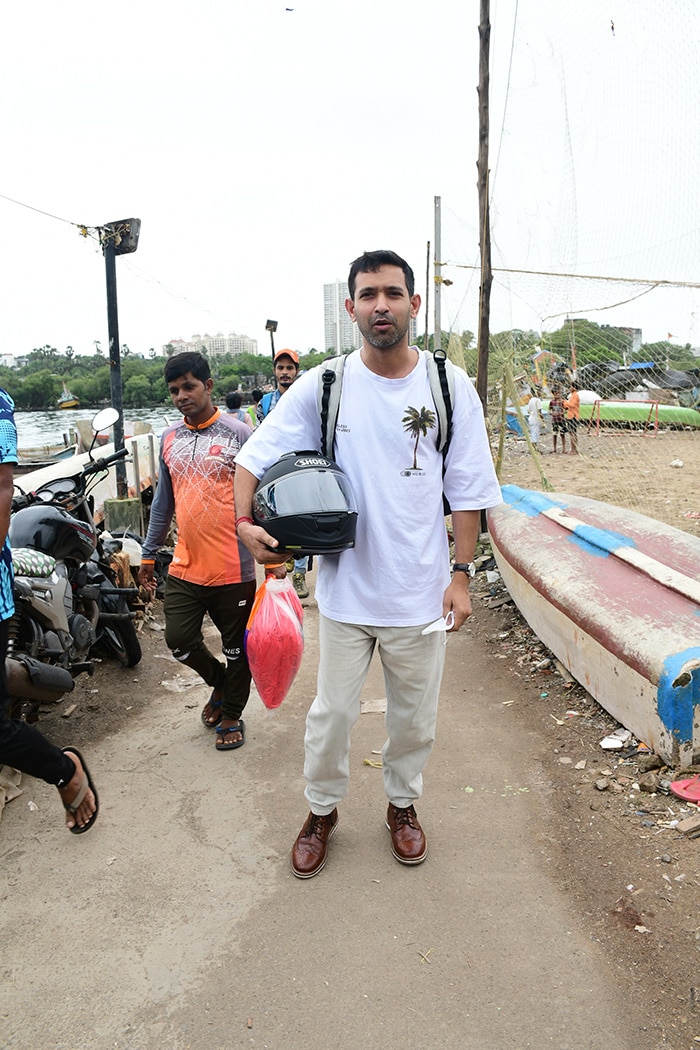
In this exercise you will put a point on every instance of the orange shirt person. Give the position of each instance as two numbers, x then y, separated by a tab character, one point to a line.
572	404
211	571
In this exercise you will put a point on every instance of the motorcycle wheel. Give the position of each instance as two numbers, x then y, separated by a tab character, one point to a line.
123	642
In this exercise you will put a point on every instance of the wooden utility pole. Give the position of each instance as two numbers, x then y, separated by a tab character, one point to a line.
482	369
437	322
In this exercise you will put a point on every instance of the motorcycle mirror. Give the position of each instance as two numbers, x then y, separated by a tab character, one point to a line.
104	419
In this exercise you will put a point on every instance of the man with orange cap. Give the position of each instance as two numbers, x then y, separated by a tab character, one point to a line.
286	366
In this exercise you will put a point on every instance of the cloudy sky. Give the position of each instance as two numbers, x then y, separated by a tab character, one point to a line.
264	148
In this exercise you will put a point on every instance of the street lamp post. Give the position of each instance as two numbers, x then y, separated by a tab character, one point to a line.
118	238
271	327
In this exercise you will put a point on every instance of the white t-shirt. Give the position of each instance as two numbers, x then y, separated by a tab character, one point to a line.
398	570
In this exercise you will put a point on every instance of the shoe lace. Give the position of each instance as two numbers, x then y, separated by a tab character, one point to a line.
405	817
316	826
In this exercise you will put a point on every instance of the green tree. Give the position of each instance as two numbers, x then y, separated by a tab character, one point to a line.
665	354
38	390
137	392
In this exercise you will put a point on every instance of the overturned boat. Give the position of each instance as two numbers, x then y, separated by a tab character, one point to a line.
616	596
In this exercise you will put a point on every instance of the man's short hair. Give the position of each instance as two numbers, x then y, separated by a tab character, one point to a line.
256	395
191	361
370	262
233	400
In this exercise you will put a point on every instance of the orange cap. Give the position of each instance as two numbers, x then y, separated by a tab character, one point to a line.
287	353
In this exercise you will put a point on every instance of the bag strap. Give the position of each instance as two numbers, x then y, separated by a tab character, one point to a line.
329	401
442	387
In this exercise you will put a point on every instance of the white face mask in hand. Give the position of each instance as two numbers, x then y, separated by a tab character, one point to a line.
445	623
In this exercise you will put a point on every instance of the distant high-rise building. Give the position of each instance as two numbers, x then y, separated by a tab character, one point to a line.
340	333
214	345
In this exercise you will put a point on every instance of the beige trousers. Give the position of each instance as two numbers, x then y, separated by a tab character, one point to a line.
412	664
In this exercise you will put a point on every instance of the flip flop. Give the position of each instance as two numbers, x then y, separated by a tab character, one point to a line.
688	790
240	728
211	702
72	807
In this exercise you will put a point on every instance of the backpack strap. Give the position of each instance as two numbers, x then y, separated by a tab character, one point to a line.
329	400
265	402
442	387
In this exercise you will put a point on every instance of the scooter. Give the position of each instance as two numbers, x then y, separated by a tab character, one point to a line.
67	601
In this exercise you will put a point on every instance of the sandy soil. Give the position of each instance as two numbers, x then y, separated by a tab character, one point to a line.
653	474
548	913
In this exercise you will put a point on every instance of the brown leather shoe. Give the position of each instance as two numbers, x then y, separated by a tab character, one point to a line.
407	839
310	850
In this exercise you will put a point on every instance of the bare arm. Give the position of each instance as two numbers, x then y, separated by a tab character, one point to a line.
465	527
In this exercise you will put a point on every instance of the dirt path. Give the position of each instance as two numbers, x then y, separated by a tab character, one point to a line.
177	923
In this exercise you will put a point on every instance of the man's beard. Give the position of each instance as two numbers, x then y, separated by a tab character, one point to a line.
386	341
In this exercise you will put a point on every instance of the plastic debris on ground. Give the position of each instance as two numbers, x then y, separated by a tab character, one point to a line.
617	740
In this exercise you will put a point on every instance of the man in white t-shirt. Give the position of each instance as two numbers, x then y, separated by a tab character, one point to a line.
534	416
396	580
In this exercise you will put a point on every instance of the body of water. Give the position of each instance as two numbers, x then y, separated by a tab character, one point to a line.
36	429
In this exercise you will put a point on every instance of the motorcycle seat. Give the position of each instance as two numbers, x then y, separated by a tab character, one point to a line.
28	562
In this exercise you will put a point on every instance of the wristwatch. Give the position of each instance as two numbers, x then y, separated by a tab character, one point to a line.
466	567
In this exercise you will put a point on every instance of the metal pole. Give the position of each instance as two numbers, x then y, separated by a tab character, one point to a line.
437	334
272	343
427	294
115	371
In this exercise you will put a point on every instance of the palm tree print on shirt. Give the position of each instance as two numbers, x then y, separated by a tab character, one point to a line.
416	422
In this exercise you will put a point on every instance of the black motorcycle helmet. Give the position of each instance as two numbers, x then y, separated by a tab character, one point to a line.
307	503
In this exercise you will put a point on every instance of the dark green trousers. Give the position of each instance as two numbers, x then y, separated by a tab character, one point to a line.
185	606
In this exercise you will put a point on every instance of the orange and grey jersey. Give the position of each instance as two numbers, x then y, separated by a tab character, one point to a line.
195	482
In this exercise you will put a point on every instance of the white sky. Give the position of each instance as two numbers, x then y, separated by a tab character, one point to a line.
263	149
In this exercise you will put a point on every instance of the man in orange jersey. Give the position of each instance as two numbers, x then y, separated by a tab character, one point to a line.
211	571
572	404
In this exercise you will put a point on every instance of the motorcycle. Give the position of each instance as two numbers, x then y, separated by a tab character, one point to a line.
67	602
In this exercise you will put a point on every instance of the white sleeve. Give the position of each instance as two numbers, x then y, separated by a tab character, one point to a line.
470	481
293	425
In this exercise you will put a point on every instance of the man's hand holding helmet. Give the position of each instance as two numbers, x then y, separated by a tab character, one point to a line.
264	548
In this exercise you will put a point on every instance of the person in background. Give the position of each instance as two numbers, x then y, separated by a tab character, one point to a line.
556	411
252	410
233	408
572	404
286	368
534	416
211	571
286	363
22	746
382	593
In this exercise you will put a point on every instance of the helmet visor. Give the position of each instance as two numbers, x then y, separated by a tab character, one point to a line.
315	491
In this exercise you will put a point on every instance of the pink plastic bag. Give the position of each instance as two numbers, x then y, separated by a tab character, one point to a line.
274	639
